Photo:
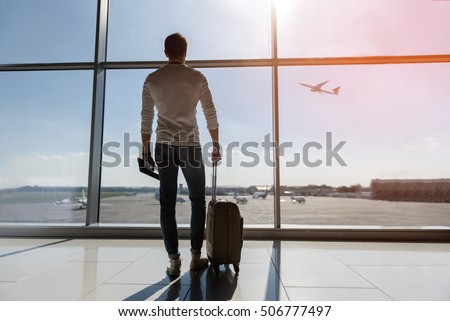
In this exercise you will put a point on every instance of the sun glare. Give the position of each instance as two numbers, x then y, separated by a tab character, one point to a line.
283	8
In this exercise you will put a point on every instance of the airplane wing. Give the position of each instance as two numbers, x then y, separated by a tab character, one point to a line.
319	86
306	85
335	91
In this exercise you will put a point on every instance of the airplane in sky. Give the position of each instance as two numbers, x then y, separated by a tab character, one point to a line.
318	88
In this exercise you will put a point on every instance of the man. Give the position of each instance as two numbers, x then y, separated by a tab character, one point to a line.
175	89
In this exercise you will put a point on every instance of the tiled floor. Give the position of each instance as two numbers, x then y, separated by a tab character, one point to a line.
93	269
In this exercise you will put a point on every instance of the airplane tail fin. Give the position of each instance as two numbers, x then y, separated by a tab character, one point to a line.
336	90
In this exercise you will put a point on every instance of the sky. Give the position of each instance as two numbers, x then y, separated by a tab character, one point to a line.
392	118
326	28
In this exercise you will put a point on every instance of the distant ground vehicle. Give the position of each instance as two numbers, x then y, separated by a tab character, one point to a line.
241	199
180	199
262	195
298	199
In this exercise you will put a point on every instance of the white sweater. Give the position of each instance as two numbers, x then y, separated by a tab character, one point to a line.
175	90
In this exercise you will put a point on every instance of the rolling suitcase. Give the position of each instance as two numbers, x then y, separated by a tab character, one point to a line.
224	231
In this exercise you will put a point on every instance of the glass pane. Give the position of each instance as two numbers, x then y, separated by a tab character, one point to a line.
214	29
125	193
329	28
44	134
47	31
389	122
243	100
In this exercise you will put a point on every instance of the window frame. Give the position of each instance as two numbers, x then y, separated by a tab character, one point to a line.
100	66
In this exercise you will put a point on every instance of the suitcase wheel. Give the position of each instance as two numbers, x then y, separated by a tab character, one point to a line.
236	268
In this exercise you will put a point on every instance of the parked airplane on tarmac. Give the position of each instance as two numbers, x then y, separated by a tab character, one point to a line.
318	88
262	195
65	201
81	204
240	199
83	200
298	199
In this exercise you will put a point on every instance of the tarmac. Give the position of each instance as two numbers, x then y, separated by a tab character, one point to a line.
316	211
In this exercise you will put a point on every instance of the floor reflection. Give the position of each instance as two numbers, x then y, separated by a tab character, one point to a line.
208	286
205	285
273	281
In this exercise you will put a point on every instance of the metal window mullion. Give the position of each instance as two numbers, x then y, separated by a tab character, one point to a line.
275	118
218	63
328	61
364	60
48	66
98	102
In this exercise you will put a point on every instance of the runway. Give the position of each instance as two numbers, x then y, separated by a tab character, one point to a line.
144	209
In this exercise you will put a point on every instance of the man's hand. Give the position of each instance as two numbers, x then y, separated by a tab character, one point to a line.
149	159
215	154
146	152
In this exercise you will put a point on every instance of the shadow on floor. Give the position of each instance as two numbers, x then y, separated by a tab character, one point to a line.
209	287
206	285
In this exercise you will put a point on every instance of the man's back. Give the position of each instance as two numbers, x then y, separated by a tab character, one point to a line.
175	89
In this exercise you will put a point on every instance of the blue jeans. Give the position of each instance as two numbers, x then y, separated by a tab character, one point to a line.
189	158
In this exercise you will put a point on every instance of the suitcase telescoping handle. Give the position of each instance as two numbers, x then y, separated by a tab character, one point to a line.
214	181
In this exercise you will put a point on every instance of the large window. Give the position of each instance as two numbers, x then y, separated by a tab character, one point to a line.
125	193
244	114
44	134
215	29
47	31
328	28
333	114
388	122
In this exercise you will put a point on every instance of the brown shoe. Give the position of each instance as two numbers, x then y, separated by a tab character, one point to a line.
174	268
198	262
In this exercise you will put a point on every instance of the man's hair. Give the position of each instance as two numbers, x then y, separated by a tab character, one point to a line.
175	45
